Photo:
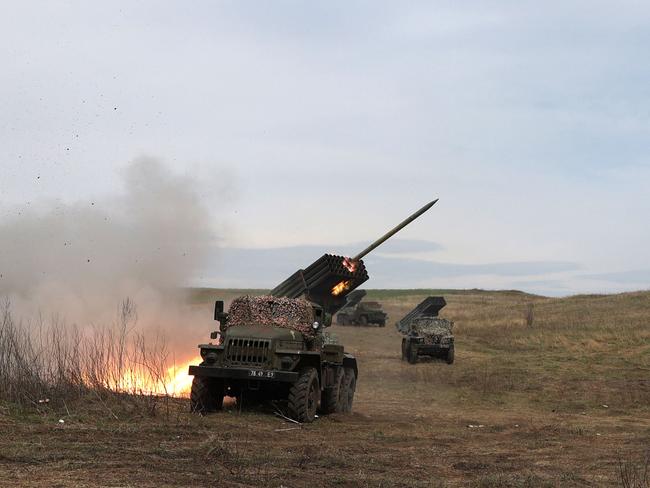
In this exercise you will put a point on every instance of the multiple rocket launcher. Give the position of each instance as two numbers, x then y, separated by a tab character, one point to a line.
329	279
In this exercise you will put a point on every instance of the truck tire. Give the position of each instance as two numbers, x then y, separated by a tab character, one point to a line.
412	353
404	355
363	320
381	323
349	386
303	396
450	355
330	400
206	395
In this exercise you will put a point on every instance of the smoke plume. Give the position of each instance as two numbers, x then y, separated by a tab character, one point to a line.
80	260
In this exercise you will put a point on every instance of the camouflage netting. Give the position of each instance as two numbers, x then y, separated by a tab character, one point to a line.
429	327
289	313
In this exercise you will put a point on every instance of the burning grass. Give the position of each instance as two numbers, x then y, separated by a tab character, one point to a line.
51	364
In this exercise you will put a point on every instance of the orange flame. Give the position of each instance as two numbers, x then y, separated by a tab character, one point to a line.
175	382
341	287
350	265
180	382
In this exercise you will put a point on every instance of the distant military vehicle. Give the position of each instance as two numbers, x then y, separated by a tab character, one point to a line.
425	334
273	347
357	312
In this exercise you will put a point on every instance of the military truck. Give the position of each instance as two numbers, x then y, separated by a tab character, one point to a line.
274	347
358	312
425	334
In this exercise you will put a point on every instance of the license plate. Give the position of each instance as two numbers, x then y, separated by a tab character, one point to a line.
256	373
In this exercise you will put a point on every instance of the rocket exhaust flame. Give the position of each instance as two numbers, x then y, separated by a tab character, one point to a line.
341	287
350	265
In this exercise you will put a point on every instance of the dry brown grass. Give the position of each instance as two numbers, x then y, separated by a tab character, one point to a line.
49	365
562	403
635	474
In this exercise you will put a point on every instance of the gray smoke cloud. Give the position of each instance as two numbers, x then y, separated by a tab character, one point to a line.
79	260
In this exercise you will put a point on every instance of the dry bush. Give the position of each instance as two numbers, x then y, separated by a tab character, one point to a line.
633	474
513	481
46	364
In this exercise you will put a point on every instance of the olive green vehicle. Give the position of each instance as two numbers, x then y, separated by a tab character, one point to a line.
274	347
259	361
425	334
358	312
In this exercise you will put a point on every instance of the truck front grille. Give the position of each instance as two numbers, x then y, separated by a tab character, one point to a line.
247	351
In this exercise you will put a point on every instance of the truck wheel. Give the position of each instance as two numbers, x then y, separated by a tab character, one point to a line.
206	395
450	355
349	385
330	400
404	355
412	353
303	396
382	323
363	320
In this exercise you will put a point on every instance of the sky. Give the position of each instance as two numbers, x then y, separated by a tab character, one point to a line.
315	127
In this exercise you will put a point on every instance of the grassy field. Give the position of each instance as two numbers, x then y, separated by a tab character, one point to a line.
562	401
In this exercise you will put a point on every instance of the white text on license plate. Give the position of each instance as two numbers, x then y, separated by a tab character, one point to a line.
255	373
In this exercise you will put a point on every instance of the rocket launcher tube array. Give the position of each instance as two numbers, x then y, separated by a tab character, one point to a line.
317	281
429	307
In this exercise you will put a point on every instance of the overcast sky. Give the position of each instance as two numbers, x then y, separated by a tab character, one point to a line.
319	126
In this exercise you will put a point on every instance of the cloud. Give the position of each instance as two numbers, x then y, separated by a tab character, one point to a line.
401	268
639	276
267	267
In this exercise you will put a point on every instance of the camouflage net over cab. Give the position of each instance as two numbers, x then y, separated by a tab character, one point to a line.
289	313
431	328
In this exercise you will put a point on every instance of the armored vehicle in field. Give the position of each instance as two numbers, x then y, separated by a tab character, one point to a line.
358	312
425	334
274	347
